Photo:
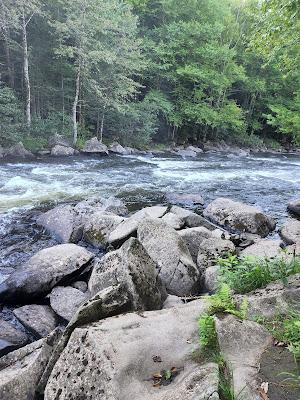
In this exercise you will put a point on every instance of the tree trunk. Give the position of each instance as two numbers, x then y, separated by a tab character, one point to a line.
26	71
101	128
74	110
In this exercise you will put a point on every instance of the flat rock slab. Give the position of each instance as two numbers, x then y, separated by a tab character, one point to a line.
242	344
38	319
66	300
43	271
10	338
21	370
116	359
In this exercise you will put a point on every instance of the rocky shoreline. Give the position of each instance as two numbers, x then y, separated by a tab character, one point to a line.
61	147
97	325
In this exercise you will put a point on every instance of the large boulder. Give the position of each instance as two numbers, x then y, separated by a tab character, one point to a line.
43	271
21	370
121	358
94	146
59	150
130	266
239	217
264	248
58	140
10	338
99	226
66	300
40	320
242	344
294	207
193	238
290	232
211	249
118	149
129	226
191	219
173	220
164	245
17	150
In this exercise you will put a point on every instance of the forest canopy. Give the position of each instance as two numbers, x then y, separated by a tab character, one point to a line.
142	71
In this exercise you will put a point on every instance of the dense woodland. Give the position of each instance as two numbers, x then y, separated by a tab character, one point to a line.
142	71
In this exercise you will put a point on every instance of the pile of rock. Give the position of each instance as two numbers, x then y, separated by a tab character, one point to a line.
123	313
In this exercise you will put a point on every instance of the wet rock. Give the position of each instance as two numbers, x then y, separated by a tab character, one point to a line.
129	226
118	149
242	344
274	298
211	278
185	199
43	271
58	140
290	232
66	300
21	370
63	223
131	266
40	320
10	338
191	219
173	220
18	150
94	146
239	216
80	285
264	248
99	226
193	238
211	249
119	355
164	245
294	207
62	151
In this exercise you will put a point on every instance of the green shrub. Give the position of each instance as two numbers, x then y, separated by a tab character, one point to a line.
207	333
250	273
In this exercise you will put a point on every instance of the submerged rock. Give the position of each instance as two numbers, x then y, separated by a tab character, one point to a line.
94	146
290	232
164	245
21	370
40	320
10	338
43	271
117	358
239	216
132	267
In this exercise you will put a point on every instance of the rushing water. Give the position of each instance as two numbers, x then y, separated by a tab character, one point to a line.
268	181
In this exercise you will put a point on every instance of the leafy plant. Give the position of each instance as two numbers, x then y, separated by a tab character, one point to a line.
207	333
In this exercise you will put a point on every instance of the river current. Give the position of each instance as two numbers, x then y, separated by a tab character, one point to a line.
267	181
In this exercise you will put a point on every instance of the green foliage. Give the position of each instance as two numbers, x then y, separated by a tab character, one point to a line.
207	333
10	116
250	273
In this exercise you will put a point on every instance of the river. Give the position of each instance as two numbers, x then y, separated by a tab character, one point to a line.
26	188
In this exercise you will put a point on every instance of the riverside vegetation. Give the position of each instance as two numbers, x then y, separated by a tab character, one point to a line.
142	71
111	310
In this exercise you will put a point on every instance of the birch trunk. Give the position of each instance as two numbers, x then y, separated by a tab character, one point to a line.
74	110
26	71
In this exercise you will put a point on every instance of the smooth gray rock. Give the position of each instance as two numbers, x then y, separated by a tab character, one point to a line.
173	220
80	285
38	319
172	301
294	207
191	219
264	248
17	150
66	300
118	149
115	358
193	238
239	216
242	344
129	226
21	370
94	146
164	245
10	338
290	232
43	271
99	226
59	150
211	278
211	249
131	266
